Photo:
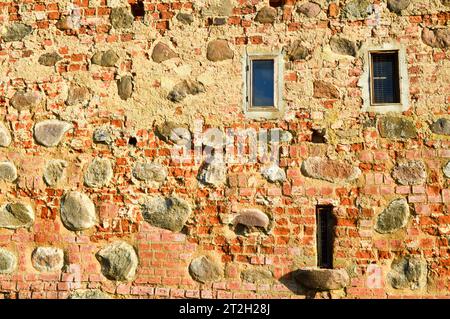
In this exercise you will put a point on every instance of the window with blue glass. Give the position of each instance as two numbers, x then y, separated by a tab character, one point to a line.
262	83
385	79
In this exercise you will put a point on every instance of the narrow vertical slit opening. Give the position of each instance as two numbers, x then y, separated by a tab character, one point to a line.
325	236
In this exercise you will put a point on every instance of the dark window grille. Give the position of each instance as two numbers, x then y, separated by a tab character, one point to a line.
325	236
385	80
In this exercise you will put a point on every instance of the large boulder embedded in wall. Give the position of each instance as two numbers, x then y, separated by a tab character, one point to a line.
252	217
185	87
162	52
213	172
446	170
107	58
5	136
309	9
166	212
296	51
394	217
436	38
16	215
219	50
266	15
54	172
396	128
8	172
329	170
125	87
356	10
257	276
8	262
150	172
441	126
47	259
174	132
88	294
49	59
204	269
121	18
25	101
274	173
410	172
323	279
77	211
119	261
397	6
50	132
98	173
15	32
343	46
326	90
408	272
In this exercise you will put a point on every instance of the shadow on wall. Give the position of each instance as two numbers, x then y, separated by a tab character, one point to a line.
288	280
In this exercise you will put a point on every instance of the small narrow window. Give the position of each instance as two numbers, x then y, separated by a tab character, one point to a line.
263	83
325	236
385	79
276	3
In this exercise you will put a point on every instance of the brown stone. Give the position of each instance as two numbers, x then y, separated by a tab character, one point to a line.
397	128
252	218
441	126
162	52
182	89
323	279
410	173
342	46
219	50
107	59
49	59
297	51
329	170
325	90
125	87
436	38
185	18
121	18
398	5
77	94
25	100
309	9
65	23
204	269
266	15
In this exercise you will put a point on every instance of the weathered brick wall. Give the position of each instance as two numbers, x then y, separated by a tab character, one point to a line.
111	106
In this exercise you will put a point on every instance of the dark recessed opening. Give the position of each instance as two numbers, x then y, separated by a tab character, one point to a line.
132	141
318	136
385	78
276	3
325	235
138	9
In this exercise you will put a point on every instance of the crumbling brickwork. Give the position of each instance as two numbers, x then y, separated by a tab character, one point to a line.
95	95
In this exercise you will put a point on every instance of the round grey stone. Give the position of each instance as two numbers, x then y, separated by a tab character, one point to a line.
16	32
16	215
394	217
8	172
173	132
89	294
182	89
356	10
213	173
150	172
98	173
5	136
54	172
343	46
185	18
257	276
119	261
398	5
121	18
125	87
204	269
103	135
441	126
49	59
408	272
8	262
410	172
397	128
274	174
49	133
309	9
47	259
168	213
107	59
447	170
77	211
252	217
323	279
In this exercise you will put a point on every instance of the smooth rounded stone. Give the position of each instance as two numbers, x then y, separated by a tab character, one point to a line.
266	15
274	174
394	217
49	133
47	259
356	10
323	279
325	90
125	87
77	211
121	18
329	170
173	132
309	9
296	51
54	172
252	217
204	269
16	215
166	212
447	170
77	94
104	135
397	128
8	262
408	272
16	32
441	126
436	38
219	50
185	18
119	261
107	59
5	136
257	276
49	59
343	46
25	100
410	173
98	173
162	52
182	89
89	294
213	173
8	172
150	172
397	6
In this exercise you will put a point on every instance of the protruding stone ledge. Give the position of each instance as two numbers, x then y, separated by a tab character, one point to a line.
323	279
252	218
